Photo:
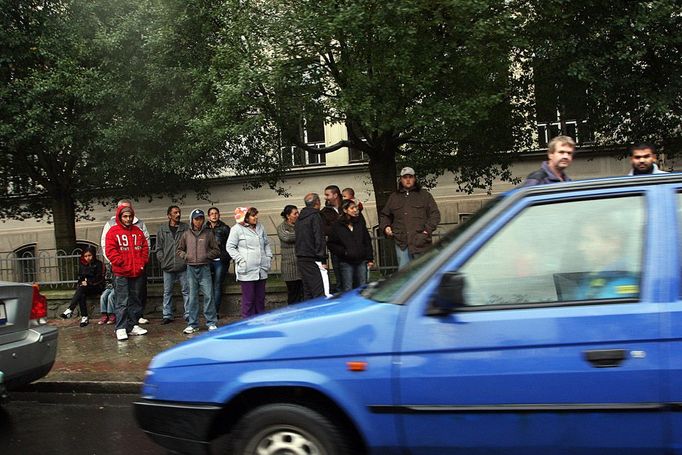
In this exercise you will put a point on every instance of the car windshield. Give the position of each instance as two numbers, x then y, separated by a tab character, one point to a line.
384	290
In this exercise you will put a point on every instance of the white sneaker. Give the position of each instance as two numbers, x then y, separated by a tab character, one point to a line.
84	321
66	314
137	330
121	334
212	327
189	330
143	321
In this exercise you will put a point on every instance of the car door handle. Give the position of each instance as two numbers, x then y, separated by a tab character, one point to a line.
605	358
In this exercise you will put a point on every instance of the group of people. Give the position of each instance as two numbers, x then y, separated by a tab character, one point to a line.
560	153
197	255
409	217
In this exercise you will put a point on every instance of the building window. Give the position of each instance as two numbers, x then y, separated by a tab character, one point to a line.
356	155
312	133
561	105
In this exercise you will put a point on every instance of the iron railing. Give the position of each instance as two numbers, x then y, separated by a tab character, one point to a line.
57	268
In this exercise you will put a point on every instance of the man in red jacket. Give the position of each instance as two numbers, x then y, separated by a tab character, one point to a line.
128	251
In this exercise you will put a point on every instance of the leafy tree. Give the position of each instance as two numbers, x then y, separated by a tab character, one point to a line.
422	83
94	102
621	60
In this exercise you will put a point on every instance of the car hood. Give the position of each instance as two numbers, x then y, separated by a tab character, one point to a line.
345	325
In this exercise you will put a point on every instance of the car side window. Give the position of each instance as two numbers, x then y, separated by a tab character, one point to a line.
570	251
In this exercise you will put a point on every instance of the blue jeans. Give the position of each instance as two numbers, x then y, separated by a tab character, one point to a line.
128	305
404	256
352	275
219	273
169	278
107	301
199	277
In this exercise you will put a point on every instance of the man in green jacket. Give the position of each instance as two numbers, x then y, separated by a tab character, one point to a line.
409	217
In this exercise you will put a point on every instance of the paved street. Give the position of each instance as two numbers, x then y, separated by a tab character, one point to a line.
74	424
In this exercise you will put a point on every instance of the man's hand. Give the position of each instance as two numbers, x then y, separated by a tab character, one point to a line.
388	231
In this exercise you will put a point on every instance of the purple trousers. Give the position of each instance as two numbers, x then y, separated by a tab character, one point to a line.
253	297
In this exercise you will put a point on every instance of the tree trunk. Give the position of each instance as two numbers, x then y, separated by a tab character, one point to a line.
64	217
383	173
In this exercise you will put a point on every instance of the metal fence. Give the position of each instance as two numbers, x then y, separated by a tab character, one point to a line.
57	268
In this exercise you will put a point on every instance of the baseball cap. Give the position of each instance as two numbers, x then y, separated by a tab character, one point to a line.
407	171
196	213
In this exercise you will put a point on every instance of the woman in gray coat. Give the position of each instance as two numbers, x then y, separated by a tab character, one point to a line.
249	247
287	240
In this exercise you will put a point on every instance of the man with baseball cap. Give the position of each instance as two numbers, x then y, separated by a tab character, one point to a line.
409	217
198	247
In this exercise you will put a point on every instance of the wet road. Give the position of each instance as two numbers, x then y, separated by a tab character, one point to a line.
74	424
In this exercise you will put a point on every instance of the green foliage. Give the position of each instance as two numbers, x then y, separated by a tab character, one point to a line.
99	100
422	82
625	55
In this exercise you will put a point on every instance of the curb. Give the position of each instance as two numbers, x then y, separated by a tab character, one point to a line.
104	387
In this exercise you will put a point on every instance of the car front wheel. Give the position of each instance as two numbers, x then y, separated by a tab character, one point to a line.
292	429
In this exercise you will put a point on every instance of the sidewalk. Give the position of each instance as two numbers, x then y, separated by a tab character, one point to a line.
91	360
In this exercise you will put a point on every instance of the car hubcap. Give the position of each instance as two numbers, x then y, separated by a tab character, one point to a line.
287	442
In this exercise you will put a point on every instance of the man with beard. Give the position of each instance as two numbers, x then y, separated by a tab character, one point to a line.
560	152
643	160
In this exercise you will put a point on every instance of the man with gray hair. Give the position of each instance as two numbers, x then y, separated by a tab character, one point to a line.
311	249
560	152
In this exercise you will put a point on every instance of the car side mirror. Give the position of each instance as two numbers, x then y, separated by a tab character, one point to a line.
449	296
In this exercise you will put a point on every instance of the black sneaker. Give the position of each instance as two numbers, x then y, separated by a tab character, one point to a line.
165	321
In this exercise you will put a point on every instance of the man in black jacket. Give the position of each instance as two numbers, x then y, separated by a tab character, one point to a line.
219	266
311	249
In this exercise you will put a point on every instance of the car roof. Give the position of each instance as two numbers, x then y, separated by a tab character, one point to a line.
599	183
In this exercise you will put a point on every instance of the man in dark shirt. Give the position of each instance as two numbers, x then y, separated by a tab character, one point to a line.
560	152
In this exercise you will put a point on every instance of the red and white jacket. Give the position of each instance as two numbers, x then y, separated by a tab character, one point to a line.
126	248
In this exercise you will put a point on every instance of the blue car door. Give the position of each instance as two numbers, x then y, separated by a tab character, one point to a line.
672	325
557	347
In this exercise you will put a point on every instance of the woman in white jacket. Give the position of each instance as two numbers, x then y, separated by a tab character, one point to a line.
249	247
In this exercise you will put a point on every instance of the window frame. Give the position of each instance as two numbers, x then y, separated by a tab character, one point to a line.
487	233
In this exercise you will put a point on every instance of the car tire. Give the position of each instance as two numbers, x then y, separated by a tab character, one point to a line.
287	428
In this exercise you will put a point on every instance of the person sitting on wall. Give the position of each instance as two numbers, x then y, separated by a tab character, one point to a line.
90	283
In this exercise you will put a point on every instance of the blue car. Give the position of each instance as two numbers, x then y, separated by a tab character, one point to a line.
548	323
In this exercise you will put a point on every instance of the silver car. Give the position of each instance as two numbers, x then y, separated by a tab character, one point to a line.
27	347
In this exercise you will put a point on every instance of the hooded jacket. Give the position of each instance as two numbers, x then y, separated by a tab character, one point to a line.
93	272
126	248
310	241
250	249
198	247
352	247
111	223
